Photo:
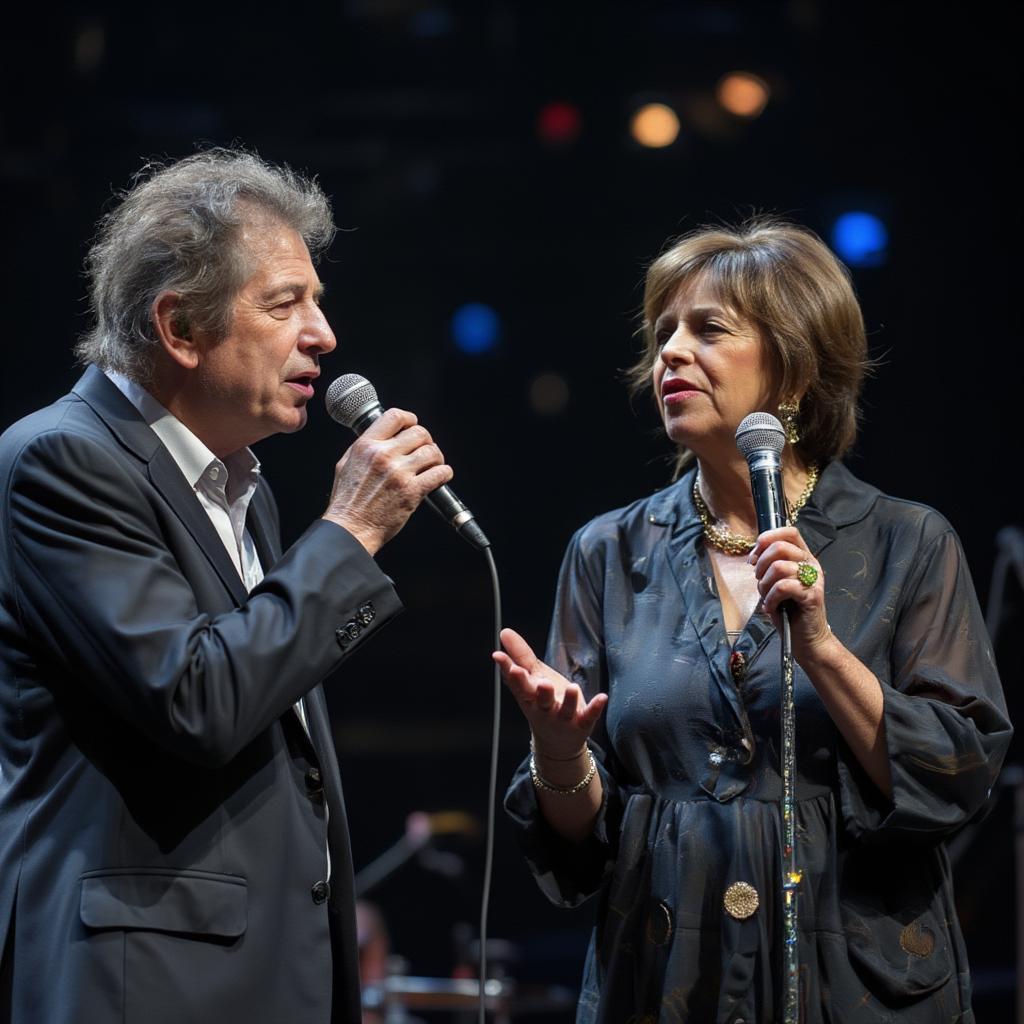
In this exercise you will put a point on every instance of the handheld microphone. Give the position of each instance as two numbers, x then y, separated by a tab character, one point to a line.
760	439
352	401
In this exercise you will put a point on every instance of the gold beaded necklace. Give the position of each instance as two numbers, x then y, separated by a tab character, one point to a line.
729	543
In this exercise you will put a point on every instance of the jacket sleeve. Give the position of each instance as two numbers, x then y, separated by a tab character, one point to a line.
569	873
96	590
946	725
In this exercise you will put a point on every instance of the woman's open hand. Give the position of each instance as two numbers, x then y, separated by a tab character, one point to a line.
559	716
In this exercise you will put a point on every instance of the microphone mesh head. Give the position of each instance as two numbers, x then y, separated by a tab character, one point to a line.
348	397
758	431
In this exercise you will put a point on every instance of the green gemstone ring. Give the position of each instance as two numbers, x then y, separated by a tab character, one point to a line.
807	574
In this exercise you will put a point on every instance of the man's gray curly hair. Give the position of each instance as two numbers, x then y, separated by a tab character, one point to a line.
178	228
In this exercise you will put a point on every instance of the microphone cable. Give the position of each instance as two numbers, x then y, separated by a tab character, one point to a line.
492	789
352	401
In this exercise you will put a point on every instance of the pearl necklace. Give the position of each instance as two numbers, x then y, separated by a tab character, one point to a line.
729	543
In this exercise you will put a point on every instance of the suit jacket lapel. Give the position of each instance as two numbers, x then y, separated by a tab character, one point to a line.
125	423
167	478
256	522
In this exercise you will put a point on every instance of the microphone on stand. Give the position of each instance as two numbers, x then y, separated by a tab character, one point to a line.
352	401
760	439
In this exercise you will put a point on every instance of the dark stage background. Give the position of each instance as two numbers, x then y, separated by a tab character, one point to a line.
421	119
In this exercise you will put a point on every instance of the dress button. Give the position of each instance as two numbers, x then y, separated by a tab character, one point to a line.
741	901
320	892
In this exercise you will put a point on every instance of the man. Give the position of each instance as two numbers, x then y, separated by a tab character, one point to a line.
173	843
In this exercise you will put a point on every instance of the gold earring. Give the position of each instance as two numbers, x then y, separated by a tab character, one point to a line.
788	413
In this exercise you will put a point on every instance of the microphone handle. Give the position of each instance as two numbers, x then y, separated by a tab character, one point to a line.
766	487
443	499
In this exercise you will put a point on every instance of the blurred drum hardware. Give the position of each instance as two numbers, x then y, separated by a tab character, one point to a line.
420	828
390	994
397	996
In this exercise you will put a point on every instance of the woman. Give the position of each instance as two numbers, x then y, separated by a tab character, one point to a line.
654	778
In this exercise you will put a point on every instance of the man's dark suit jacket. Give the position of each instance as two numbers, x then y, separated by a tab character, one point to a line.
162	825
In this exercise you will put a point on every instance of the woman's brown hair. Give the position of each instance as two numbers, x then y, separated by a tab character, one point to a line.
787	281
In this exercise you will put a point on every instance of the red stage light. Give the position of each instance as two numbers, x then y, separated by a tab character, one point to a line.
559	123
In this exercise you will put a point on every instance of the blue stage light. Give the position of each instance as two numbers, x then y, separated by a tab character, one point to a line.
475	328
861	239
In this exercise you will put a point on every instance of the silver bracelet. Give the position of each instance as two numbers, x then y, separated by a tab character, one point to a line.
541	783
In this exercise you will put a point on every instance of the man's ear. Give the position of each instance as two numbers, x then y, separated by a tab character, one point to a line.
174	330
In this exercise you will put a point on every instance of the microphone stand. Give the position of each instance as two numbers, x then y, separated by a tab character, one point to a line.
791	874
760	439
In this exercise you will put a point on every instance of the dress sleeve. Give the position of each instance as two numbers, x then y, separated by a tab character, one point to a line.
569	873
946	725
